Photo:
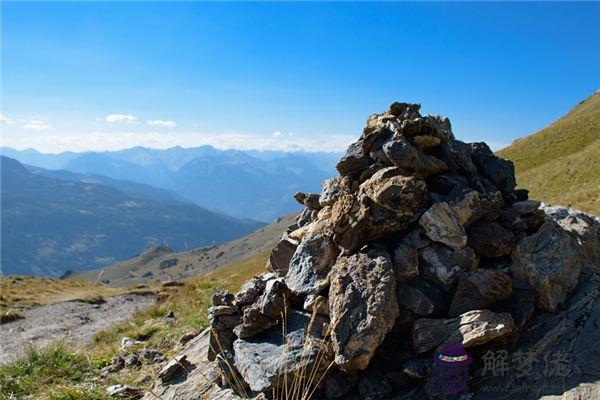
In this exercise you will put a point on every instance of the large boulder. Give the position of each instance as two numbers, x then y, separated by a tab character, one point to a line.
312	260
272	359
362	306
550	261
441	224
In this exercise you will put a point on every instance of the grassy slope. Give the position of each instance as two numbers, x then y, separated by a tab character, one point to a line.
561	163
199	261
60	373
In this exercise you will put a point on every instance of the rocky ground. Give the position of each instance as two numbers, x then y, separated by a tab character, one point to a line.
75	322
423	243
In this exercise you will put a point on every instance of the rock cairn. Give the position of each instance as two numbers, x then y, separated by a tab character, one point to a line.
422	240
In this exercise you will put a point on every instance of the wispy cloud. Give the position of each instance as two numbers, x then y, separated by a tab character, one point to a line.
5	120
128	118
36	124
160	122
102	141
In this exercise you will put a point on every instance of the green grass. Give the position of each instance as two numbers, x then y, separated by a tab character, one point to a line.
561	163
62	373
53	373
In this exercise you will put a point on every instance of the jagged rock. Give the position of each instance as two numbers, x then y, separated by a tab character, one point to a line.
550	261
415	300
317	304
125	392
281	255
387	202
406	255
584	228
490	239
331	189
172	368
526	206
471	329
362	306
268	360
353	161
309	200
467	207
404	155
221	339
394	191
250	290
216	311
222	298
441	224
443	266
153	355
478	290
310	264
499	171
426	141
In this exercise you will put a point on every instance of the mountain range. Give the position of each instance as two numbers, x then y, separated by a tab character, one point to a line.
51	225
247	184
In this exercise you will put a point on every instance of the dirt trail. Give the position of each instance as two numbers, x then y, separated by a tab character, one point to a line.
75	322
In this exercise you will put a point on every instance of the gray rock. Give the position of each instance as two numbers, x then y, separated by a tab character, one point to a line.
222	298
354	160
362	306
269	360
216	311
550	261
499	171
526	206
280	257
443	266
471	329
310	264
415	300
406	255
125	392
393	190
339	384
479	290
250	291
172	368
441	224
404	155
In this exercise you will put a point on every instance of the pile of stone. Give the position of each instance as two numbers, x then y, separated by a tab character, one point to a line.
421	241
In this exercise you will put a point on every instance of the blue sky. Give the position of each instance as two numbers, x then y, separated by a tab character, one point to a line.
81	75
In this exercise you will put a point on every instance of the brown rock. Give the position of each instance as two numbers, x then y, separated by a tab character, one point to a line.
478	290
490	239
441	224
471	329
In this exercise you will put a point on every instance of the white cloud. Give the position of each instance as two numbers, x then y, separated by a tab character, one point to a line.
160	122
6	120
36	124
130	119
102	141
